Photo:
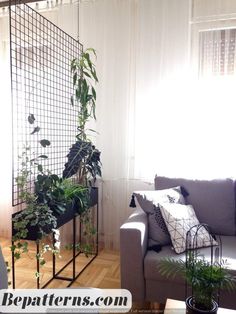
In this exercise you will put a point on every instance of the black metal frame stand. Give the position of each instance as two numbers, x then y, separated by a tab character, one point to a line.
55	275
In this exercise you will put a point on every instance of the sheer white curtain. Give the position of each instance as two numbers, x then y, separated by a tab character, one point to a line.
155	113
142	47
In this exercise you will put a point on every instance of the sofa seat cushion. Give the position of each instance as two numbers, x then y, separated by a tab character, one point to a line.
213	201
152	259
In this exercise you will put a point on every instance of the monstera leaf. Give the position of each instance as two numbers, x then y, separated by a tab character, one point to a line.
84	160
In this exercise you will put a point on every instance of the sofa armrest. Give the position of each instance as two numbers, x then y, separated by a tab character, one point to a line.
133	247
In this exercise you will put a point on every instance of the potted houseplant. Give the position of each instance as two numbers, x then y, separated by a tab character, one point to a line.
206	279
84	158
51	203
55	200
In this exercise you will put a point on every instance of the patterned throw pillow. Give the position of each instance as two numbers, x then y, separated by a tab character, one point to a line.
179	219
149	202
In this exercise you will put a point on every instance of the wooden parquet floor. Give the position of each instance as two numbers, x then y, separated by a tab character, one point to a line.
103	272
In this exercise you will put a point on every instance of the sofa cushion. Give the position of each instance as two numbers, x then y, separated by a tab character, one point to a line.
149	202
179	220
149	199
152	259
213	201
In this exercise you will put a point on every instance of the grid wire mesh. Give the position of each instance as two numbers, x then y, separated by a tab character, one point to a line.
41	54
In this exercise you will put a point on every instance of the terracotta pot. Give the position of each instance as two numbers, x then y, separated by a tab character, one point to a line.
190	308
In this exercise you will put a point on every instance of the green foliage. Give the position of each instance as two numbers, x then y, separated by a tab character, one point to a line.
52	195
44	143
87	244
77	196
37	211
83	157
84	76
83	160
205	278
49	191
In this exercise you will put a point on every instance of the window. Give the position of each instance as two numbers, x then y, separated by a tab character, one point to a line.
217	52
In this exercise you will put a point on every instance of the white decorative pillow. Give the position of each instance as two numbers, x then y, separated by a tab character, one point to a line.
148	199
149	202
179	219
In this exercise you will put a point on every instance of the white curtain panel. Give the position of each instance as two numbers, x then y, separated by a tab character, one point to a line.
142	47
155	113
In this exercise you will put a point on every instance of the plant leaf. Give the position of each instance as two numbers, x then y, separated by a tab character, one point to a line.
86	74
35	130
74	78
40	168
94	93
92	50
43	156
44	143
31	118
72	101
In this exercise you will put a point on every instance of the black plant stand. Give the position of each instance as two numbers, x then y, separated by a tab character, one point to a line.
61	222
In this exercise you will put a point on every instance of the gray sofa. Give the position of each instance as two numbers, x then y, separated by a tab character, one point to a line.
3	272
214	204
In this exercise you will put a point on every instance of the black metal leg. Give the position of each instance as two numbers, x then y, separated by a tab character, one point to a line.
13	268
37	245
53	257
97	229
74	243
55	274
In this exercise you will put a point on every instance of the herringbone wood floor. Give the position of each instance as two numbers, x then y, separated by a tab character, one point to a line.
103	272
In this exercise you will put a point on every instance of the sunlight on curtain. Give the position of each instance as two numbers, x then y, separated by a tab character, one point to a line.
135	43
155	113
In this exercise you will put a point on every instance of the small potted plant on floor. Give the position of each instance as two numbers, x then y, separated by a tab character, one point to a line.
205	278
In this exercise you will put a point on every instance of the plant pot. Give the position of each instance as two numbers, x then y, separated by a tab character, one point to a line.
68	215
191	309
93	196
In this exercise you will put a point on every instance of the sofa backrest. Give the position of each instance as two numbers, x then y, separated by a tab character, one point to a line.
213	201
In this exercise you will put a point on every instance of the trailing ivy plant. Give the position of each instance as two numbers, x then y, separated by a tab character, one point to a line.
37	213
51	197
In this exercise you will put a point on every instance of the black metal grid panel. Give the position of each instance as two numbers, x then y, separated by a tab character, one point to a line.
42	85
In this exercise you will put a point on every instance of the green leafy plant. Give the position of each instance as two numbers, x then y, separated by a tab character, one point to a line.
53	195
84	76
35	214
205	278
84	157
